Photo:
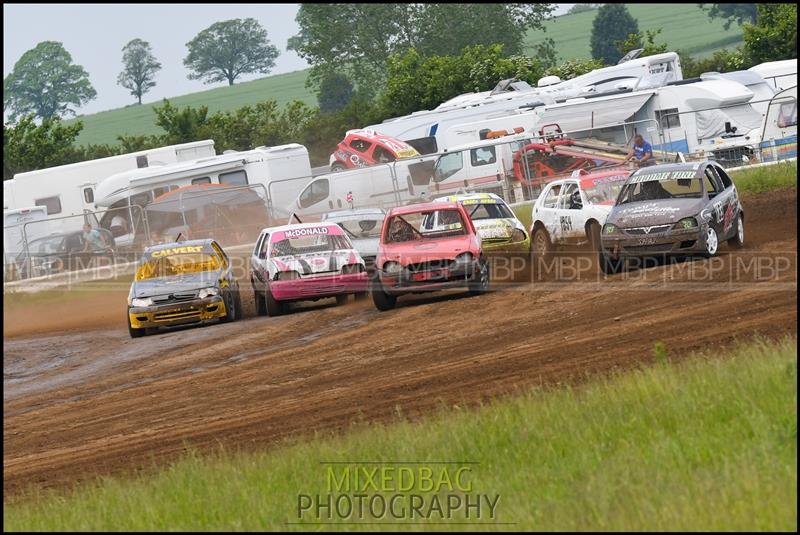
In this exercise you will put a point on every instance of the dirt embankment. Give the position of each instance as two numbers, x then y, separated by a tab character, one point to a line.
85	399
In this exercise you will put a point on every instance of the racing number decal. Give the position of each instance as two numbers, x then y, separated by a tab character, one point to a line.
566	223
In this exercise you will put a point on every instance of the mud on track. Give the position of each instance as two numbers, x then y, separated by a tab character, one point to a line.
82	403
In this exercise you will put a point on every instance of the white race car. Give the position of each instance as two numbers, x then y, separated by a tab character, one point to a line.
573	210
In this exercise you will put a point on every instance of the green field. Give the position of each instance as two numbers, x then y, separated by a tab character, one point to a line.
707	443
685	27
105	126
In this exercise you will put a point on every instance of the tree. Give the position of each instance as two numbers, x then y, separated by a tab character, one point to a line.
358	39
612	23
227	49
28	146
575	67
335	91
721	61
740	13
139	68
46	83
646	42
774	36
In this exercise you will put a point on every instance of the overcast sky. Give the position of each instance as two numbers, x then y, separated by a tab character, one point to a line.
94	35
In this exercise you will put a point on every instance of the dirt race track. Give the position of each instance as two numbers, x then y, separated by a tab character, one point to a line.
82	402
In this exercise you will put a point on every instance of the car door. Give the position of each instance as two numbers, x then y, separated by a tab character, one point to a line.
258	263
724	199
546	212
567	215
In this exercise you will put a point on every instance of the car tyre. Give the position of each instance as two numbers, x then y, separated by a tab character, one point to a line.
135	333
338	167
273	306
380	298
238	299
261	305
541	246
737	242
712	242
231	310
593	233
341	299
608	264
480	280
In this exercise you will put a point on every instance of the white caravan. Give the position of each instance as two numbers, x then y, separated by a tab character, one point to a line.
712	115
282	171
423	129
16	232
70	189
780	74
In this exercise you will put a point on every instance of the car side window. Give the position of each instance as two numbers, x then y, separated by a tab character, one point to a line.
223	257
360	145
382	155
723	177
262	253
711	182
566	192
551	197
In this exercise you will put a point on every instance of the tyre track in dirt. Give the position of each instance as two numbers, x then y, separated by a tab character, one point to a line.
112	404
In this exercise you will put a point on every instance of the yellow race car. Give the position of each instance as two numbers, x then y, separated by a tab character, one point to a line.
181	283
499	229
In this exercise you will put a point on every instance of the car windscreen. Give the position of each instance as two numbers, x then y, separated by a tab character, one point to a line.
49	245
360	228
488	210
425	226
660	186
603	192
171	265
316	243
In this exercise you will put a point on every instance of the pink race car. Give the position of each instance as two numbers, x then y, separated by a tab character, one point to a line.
427	247
304	262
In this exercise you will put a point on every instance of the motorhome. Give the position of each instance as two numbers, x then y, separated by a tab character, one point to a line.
779	139
16	230
780	74
711	116
278	173
423	129
71	189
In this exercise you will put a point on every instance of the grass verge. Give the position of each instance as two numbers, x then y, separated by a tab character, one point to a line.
709	443
761	179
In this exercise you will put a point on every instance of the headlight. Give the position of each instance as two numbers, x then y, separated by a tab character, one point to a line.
352	268
517	235
608	228
208	292
146	302
464	259
287	275
686	223
392	267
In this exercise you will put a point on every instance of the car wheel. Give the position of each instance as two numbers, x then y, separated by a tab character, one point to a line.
737	241
609	265
261	306
274	307
480	281
337	167
238	299
712	242
541	247
135	333
341	299
230	307
593	233
380	298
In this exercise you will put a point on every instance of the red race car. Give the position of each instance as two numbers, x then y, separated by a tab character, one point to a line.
427	247
365	148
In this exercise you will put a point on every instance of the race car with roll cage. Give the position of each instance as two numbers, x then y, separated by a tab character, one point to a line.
363	227
494	221
365	148
181	283
684	208
416	256
572	211
302	262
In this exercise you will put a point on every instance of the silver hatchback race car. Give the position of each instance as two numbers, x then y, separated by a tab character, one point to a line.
686	208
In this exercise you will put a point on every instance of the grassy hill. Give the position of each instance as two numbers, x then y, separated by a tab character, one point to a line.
685	26
105	126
